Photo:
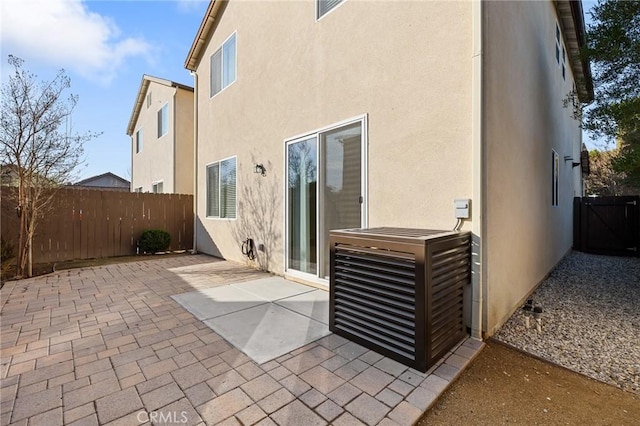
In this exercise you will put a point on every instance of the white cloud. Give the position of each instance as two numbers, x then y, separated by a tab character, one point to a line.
66	34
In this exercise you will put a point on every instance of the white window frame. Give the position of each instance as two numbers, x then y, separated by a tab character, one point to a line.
555	178
154	187
138	189
138	140
561	52
334	7
148	99
364	164
222	62
206	204
162	123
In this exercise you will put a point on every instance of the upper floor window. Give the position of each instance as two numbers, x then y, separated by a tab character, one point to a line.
555	177
324	6
148	99
163	120
138	189
157	187
223	66
561	54
138	141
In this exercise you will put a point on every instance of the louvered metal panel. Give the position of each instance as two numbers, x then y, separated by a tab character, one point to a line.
400	291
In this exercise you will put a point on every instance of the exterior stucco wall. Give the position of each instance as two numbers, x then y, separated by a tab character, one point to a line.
184	142
406	65
524	118
155	162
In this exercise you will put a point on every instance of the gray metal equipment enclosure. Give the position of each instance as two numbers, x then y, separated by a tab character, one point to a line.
400	291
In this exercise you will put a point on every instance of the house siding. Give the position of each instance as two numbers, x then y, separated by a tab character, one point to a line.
405	65
184	142
168	158
525	236
155	162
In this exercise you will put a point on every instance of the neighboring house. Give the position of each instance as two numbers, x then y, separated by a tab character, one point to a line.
161	130
381	114
106	181
9	175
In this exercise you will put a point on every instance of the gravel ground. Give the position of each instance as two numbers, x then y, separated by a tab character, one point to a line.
590	321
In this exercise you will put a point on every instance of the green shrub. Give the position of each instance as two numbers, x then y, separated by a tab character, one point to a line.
7	251
154	240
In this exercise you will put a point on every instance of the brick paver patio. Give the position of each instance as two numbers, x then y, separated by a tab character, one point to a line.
107	345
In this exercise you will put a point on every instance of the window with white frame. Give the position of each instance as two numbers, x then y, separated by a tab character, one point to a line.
138	141
163	120
561	54
148	99
223	66
221	189
138	189
555	177
324	6
157	187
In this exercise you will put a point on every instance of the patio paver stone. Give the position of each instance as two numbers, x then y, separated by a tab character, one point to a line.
111	345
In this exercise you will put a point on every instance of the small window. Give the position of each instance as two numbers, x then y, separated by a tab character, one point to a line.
138	141
156	188
138	189
555	177
148	99
324	6
221	189
223	66
561	54
564	66
163	120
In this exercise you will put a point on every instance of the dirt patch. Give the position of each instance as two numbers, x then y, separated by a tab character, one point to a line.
506	386
47	268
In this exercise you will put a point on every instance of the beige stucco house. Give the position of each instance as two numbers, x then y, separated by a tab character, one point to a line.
161	129
319	115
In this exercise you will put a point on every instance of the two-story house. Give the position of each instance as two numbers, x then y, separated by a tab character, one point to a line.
161	130
320	115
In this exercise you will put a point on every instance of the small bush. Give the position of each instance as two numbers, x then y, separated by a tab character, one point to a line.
7	251
154	240
7	255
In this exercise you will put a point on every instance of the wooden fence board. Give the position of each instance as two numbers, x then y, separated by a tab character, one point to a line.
85	224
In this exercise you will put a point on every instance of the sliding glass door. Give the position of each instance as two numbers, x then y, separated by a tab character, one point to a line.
302	177
325	191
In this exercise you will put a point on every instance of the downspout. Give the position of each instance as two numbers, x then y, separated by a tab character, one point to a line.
478	271
133	152
175	139
195	161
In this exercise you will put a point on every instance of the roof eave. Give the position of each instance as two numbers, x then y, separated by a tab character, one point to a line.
204	32
572	20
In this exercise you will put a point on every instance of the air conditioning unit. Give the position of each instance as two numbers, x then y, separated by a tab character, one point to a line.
400	292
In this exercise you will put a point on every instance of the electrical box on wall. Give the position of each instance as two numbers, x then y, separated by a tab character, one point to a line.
462	207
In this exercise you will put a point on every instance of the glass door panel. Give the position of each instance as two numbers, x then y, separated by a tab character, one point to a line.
341	185
324	192
302	176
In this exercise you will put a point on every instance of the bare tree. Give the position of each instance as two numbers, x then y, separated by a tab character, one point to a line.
38	143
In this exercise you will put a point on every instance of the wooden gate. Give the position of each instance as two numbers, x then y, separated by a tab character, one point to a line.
607	225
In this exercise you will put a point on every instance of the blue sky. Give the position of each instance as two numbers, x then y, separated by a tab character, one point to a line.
106	47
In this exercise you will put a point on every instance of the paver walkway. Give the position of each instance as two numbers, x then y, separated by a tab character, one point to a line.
107	345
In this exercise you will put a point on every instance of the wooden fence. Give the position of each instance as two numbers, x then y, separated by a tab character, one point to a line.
87	224
607	225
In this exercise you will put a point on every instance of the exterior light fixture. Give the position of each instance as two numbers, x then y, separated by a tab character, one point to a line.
259	168
573	163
